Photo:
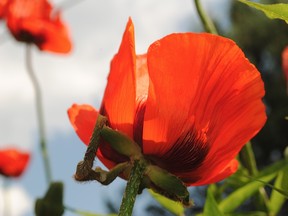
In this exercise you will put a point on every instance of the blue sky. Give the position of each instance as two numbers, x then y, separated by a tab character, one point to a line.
96	28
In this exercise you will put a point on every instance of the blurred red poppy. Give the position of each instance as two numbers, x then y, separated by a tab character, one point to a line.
191	103
285	65
3	8
13	162
34	21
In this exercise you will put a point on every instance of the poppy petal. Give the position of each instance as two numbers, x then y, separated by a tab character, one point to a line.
229	169
55	34
142	76
3	8
209	87
285	62
285	66
33	22
83	119
13	162
119	98
142	83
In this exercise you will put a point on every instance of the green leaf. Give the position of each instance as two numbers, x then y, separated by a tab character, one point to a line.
86	213
211	207
91	214
175	208
277	199
254	213
273	11
235	199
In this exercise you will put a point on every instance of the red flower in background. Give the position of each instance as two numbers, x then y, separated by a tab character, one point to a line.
13	162
33	21
3	8
285	65
191	103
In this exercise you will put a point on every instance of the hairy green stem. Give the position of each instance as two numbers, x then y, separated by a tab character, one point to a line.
40	114
206	21
132	188
84	170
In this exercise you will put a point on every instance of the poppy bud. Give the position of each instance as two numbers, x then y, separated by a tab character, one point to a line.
52	202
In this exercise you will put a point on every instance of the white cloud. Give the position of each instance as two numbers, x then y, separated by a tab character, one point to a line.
14	201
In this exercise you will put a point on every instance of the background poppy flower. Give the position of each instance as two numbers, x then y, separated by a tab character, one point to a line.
191	104
285	65
13	162
33	21
3	7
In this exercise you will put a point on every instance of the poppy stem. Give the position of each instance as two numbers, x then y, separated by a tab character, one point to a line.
132	188
206	21
40	114
83	171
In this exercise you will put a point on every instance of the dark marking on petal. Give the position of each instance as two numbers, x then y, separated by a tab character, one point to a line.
187	154
26	36
139	120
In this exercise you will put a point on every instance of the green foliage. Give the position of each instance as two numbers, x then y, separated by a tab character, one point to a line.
277	199
90	214
235	199
273	11
211	207
263	41
254	213
175	208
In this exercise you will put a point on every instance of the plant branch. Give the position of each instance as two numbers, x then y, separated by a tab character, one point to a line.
206	21
40	114
132	188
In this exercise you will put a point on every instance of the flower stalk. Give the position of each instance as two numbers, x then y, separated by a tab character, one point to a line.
132	188
40	114
206	21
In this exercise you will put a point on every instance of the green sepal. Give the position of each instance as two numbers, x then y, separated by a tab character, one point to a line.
52	202
168	185
121	143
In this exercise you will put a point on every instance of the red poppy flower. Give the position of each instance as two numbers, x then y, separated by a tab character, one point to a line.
33	21
285	64
13	162
3	7
191	103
